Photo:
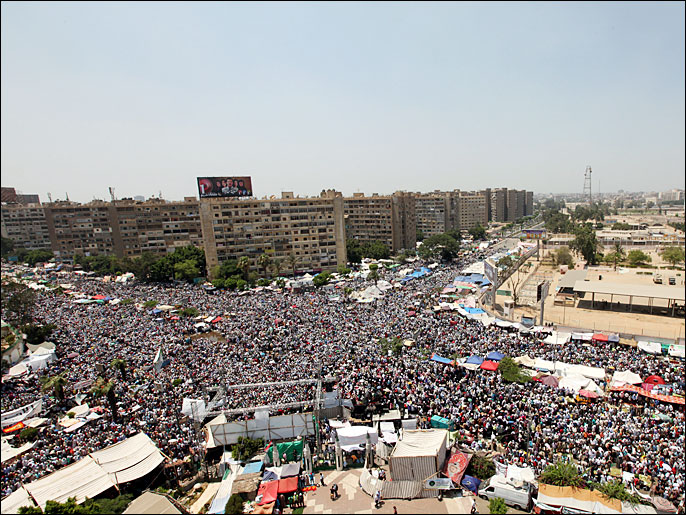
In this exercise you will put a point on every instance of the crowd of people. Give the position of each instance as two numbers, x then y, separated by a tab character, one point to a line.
277	336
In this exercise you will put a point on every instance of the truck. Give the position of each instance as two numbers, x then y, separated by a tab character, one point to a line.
657	278
515	494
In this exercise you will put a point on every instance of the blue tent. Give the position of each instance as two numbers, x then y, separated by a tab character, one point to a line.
471	483
475	360
252	467
436	357
269	476
495	355
155	311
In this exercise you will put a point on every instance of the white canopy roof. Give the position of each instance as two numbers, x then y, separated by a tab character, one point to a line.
420	443
627	377
650	347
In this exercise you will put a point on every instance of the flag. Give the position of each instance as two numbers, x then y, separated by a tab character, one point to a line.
269	445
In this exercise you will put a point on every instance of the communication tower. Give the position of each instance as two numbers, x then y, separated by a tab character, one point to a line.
587	184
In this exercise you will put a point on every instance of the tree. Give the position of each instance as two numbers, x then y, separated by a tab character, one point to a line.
373	273
616	256
673	255
246	447
189	312
38	256
616	489
263	262
481	467
638	257
440	245
562	474
275	267
511	371
505	262
497	505
343	270
354	251
478	232
375	250
244	266
104	388
394	345
321	279
119	364
161	271
293	260
186	270
234	506
29	434
585	243
7	246
346	292
564	257
149	304
37	334
54	383
18	302
420	235
620	226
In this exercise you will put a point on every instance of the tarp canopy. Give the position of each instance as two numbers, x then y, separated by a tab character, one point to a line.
474	360
268	492
288	485
650	347
471	483
16	500
489	365
577	382
582	337
550	381
557	338
253	467
151	503
600	337
677	351
440	422
290	469
356	436
495	356
436	357
272	474
543	364
525	360
591	501
653	380
626	376
293	450
664	398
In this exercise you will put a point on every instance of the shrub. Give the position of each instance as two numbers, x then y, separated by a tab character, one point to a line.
246	447
29	434
481	467
176	382
235	505
562	474
150	304
125	302
616	490
497	505
511	371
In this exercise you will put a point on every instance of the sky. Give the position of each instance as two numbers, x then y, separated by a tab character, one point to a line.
360	97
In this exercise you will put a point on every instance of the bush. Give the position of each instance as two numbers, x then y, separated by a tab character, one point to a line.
150	304
235	505
616	490
29	434
189	312
497	505
247	447
481	467
176	382
511	371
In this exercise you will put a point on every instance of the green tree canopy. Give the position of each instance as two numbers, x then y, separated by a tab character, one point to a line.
186	270
585	243
497	505
478	232
321	279
564	257
7	247
673	255
638	257
55	383
18	301
562	474
354	251
440	246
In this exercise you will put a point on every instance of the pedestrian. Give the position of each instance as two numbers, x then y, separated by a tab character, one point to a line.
321	479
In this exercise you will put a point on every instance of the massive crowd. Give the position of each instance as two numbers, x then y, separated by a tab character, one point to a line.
276	336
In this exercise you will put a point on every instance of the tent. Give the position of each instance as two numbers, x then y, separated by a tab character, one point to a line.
436	357
650	347
252	467
588	394
290	469
627	377
550	381
419	455
471	483
150	502
495	356
525	360
293	450
474	360
489	365
542	364
268	492
354	437
600	337
677	351
577	382
652	380
288	485
578	499
272	474
557	338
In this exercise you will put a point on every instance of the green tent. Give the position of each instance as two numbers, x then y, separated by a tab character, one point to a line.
293	450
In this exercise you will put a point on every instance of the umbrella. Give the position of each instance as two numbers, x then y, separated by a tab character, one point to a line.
411	313
550	381
72	355
654	380
588	394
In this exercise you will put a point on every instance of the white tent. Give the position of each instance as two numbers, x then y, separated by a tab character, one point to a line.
626	377
544	364
525	361
9	452
44	345
353	437
677	351
577	382
129	459
16	500
557	338
650	347
150	502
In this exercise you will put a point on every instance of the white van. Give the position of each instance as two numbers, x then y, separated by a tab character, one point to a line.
519	497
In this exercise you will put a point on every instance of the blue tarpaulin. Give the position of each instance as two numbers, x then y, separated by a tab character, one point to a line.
269	476
436	357
473	311
474	360
495	356
155	311
252	467
471	483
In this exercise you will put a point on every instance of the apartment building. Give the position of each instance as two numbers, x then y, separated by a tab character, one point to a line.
389	219
312	229
529	204
433	212
472	210
26	225
498	204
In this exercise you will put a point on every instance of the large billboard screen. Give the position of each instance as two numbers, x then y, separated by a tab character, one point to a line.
209	187
491	271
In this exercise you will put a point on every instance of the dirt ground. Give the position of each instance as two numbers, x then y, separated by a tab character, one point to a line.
616	319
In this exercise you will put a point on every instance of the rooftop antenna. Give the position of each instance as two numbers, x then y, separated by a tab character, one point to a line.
587	184
49	197
67	194
112	194
160	193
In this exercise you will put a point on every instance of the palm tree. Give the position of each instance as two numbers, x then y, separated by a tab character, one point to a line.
263	261
618	254
292	261
54	383
244	266
275	267
119	364
373	273
347	291
103	388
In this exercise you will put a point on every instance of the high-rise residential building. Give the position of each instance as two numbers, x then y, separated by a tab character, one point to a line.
26	226
529	204
8	195
312	229
389	219
433	213
472	210
123	228
672	195
498	205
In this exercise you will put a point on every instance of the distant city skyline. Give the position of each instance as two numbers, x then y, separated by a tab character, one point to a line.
371	97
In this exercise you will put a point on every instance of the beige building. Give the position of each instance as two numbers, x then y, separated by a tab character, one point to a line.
389	219
26	225
312	229
472	210
435	212
498	205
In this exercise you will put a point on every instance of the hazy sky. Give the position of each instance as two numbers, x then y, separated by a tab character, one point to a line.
357	97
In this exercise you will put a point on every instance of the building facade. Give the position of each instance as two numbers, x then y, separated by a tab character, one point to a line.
312	229
26	226
472	210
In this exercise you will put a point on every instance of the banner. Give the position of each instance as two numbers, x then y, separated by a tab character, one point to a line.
456	466
438	483
210	187
19	414
15	427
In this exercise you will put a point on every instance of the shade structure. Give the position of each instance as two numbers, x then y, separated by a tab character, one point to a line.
269	492
588	394
550	381
474	360
471	483
600	337
288	485
654	380
495	356
489	365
